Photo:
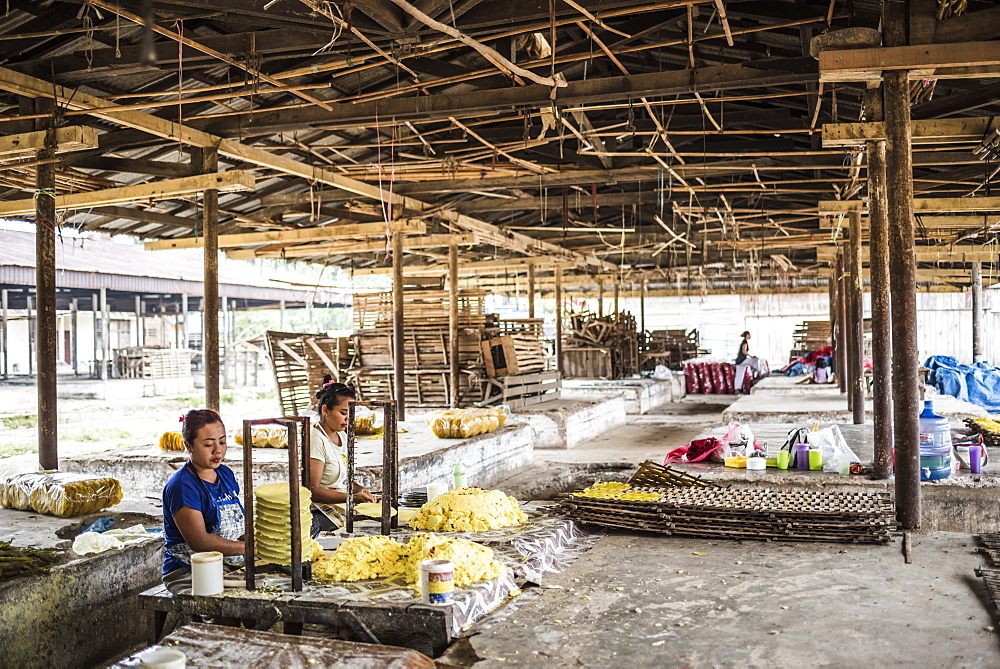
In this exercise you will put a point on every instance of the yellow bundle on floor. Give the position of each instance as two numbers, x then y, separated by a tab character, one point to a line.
62	494
469	510
267	436
462	423
171	441
362	558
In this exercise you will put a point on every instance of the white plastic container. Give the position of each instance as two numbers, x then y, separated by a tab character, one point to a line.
159	657
437	582
206	573
436	489
756	464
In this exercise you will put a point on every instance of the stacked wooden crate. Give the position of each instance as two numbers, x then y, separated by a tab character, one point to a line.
515	346
426	345
300	363
809	336
602	347
670	348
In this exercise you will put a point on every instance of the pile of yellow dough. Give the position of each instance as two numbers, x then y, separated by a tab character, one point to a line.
461	423
469	510
272	526
615	490
171	441
361	558
62	494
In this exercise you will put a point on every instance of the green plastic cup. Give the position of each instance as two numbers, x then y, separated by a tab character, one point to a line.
815	459
783	458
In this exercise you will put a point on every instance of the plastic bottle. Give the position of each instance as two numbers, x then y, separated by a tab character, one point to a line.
935	444
458	473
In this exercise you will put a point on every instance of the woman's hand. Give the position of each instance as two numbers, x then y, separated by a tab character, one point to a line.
362	495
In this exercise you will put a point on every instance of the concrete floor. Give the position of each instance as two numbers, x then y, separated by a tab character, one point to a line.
653	601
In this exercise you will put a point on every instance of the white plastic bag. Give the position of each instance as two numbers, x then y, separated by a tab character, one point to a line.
834	447
661	373
735	436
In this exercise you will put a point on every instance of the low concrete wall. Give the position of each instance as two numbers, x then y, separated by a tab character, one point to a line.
83	612
564	424
423	459
640	395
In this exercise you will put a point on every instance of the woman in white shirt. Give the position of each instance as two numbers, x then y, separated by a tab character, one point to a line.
328	459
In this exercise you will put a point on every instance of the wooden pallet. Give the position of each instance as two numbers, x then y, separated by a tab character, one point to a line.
522	389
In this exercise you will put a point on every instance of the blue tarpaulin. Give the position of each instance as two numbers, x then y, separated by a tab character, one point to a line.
978	383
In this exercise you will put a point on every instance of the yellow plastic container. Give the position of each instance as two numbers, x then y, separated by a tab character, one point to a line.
737	461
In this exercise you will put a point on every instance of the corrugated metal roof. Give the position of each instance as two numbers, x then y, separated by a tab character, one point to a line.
95	263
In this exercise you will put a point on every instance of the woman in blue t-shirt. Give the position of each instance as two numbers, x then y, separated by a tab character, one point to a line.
201	505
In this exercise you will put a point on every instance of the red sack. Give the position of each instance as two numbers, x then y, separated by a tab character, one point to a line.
719	377
699	450
691	379
730	372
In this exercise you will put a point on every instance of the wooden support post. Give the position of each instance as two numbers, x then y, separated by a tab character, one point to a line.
977	311
206	161
642	307
559	317
600	297
184	320
225	334
902	273
4	333
398	343
94	312
453	323
881	318
31	336
102	372
842	355
857	320
46	338
281	322
531	291
138	321
617	292
74	311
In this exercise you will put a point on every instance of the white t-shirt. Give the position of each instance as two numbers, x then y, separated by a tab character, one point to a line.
334	458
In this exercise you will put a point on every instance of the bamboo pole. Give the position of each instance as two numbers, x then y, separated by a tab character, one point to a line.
842	366
4	333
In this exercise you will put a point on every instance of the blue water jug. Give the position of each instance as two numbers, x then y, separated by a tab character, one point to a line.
935	444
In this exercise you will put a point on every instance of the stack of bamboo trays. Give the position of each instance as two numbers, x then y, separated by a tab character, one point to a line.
693	509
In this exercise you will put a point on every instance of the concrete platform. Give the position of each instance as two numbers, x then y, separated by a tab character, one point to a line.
423	459
779	402
963	502
567	423
642	601
85	610
640	395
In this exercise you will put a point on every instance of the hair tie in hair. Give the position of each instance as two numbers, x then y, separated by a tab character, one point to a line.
181	419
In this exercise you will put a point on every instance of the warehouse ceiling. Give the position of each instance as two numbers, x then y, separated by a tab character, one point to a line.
676	142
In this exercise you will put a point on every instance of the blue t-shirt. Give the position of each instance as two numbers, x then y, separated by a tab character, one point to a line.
185	488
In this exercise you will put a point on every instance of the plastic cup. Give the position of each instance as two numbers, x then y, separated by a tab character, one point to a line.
783	458
159	657
815	460
844	466
976	459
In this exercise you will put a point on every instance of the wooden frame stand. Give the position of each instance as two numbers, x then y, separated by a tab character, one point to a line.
390	464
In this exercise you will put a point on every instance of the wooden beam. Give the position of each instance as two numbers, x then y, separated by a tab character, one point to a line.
868	64
509	266
25	144
928	222
921	205
285	250
158	168
227	182
969	130
931	254
24	85
408	226
145	216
